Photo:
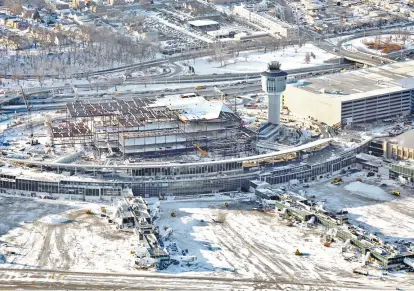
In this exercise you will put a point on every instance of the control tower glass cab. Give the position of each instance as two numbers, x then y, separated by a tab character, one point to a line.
274	83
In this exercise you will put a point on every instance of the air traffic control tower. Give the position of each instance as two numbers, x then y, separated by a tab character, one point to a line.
274	83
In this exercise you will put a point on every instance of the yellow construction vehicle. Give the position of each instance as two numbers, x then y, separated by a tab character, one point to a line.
396	193
249	164
336	180
291	156
182	119
203	152
298	253
358	179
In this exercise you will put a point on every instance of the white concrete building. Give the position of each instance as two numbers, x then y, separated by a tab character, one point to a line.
355	97
264	20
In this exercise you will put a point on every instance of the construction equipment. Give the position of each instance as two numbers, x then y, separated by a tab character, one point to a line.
203	152
249	164
89	211
396	193
358	179
173	214
32	141
298	253
336	180
222	94
183	120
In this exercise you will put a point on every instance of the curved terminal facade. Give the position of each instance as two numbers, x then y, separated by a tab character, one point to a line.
89	182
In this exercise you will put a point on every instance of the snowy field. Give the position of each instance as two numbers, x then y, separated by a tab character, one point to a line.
249	243
60	235
292	57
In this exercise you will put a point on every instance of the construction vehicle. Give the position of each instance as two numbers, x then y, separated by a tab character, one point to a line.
32	140
327	244
298	253
222	94
203	152
358	179
396	193
336	180
173	214
183	120
249	164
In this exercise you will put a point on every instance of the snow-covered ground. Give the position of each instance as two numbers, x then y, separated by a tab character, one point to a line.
59	234
292	57
249	244
369	191
371	206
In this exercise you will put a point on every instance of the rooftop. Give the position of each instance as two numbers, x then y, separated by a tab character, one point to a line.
363	83
203	22
405	140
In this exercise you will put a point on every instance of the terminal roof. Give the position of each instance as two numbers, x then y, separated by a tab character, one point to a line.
405	140
203	22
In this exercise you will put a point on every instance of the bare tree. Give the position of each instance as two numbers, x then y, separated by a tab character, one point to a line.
307	58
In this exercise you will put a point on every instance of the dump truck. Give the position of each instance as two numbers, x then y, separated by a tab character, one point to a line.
336	180
396	193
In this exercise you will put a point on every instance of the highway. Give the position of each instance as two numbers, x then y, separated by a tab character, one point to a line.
362	57
194	79
251	84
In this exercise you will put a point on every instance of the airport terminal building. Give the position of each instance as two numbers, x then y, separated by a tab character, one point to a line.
355	97
89	182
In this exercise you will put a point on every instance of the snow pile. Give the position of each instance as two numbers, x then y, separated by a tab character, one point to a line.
54	219
368	191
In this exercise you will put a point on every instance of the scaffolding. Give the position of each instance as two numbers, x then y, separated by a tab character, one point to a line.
141	128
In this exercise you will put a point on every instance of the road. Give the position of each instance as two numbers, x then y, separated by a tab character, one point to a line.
362	57
247	86
37	279
195	79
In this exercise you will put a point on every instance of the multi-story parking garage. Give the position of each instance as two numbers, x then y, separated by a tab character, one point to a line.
355	97
104	182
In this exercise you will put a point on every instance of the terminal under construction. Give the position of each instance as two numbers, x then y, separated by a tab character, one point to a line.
154	127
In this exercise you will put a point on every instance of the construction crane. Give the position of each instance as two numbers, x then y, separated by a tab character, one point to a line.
203	152
32	140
